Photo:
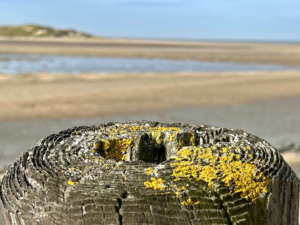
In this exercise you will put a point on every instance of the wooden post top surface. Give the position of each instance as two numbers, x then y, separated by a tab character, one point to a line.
150	173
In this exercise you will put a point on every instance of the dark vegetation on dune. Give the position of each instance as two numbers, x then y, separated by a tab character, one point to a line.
31	30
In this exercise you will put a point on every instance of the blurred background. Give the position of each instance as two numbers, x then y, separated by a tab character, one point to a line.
234	64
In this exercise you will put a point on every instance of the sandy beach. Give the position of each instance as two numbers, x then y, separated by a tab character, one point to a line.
264	103
46	96
263	53
276	121
36	105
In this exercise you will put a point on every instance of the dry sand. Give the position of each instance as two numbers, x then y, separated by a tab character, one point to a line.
265	53
46	96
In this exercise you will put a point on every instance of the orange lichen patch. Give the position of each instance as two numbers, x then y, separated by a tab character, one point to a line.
193	164
156	184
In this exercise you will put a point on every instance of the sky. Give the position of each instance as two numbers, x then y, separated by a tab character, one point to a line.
228	20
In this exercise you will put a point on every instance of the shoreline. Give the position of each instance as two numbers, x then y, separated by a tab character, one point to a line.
237	52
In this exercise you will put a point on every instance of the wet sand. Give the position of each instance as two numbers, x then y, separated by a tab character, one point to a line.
46	96
277	121
264	53
34	106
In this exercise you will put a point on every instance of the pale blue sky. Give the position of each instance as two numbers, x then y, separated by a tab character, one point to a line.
265	20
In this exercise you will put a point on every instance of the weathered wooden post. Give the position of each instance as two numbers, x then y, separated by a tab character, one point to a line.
150	173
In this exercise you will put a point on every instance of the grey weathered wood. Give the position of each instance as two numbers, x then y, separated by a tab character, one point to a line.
36	189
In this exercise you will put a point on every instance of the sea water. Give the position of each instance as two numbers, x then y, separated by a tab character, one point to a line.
17	63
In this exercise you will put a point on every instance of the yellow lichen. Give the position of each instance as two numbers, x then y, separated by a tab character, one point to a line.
124	157
156	184
182	188
150	171
97	145
171	137
165	129
187	202
115	148
71	182
192	139
210	164
227	168
157	137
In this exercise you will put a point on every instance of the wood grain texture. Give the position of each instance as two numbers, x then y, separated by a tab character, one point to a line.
72	178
